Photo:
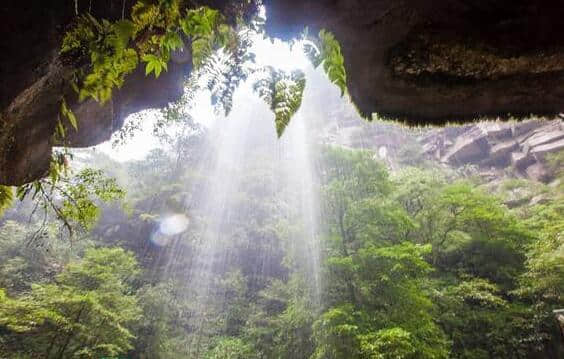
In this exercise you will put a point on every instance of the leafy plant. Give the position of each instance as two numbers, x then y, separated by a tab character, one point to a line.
6	198
205	27
114	49
231	348
87	312
326	51
156	29
283	92
388	344
72	199
223	71
154	64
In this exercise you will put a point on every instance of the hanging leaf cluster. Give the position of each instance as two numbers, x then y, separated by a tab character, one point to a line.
111	51
223	71
65	113
326	51
220	55
105	45
283	92
205	27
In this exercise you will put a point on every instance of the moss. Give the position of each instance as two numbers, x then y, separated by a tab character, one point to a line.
7	141
424	56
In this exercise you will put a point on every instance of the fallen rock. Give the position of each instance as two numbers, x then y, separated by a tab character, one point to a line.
495	130
500	154
522	160
471	147
539	199
548	148
525	127
549	134
518	197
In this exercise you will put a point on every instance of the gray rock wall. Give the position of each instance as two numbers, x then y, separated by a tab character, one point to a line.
518	146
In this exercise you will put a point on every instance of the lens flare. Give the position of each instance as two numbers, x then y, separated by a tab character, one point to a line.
173	225
382	152
168	227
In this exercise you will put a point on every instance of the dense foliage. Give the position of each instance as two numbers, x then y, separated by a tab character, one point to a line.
103	53
414	263
240	257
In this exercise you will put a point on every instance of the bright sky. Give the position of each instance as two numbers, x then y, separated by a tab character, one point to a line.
268	53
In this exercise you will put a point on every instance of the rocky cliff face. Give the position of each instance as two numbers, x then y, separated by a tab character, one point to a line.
521	147
443	60
422	61
494	149
35	79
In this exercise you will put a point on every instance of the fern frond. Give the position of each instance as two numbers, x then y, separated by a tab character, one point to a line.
223	70
329	54
283	93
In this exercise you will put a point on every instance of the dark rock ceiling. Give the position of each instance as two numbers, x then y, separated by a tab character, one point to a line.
420	61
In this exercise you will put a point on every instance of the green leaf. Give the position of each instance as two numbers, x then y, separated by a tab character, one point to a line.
6	198
150	67
124	30
60	130
68	114
329	54
201	50
158	70
284	93
154	64
22	191
172	41
200	22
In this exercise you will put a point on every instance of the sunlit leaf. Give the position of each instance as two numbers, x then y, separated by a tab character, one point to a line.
6	198
283	92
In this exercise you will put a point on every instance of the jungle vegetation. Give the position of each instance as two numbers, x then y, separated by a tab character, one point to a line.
104	53
418	262
415	262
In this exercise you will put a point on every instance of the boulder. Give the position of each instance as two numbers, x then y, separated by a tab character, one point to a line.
495	130
539	199
518	197
502	145
544	135
471	147
548	148
537	172
500	154
525	127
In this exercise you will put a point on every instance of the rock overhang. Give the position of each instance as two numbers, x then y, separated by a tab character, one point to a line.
423	62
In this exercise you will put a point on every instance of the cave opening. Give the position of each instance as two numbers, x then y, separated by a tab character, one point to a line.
186	179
